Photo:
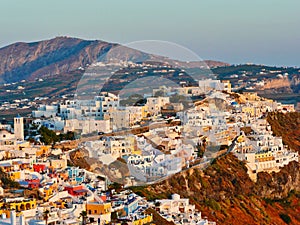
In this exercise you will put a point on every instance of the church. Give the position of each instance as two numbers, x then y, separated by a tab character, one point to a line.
9	138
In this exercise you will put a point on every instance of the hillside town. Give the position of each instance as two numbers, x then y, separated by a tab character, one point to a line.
153	140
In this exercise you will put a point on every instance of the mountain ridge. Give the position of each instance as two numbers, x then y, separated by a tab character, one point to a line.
50	57
55	56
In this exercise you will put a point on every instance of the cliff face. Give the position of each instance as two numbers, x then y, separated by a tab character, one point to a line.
224	193
289	84
56	56
278	185
277	83
296	83
286	125
214	64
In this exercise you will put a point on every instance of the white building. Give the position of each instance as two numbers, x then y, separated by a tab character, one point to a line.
19	128
87	126
45	111
180	211
96	108
155	104
55	123
262	151
115	146
7	138
174	205
208	85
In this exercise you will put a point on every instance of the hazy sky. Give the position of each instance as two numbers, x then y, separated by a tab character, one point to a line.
234	31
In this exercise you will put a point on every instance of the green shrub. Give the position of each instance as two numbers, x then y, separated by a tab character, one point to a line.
286	218
203	183
213	204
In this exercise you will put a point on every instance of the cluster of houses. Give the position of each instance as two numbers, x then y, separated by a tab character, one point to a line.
260	148
57	194
17	104
221	119
180	211
53	193
103	113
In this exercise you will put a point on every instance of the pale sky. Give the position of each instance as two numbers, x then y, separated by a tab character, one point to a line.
233	31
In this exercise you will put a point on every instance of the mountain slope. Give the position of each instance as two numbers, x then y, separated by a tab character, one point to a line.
287	126
225	193
61	55
56	56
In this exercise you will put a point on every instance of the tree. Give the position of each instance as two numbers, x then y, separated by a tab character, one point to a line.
48	136
68	136
83	216
6	181
46	216
201	149
118	187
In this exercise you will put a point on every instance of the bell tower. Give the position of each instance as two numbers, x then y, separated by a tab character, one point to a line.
19	128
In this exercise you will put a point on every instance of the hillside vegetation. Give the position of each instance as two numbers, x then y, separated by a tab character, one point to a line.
225	193
286	125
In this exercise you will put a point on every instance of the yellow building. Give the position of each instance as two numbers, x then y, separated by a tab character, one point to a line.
240	139
249	110
15	175
98	208
137	152
142	221
251	96
119	146
227	85
264	156
24	144
47	193
43	150
144	111
18	204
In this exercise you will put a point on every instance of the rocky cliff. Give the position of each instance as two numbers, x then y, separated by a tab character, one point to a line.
224	193
286	125
278	185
